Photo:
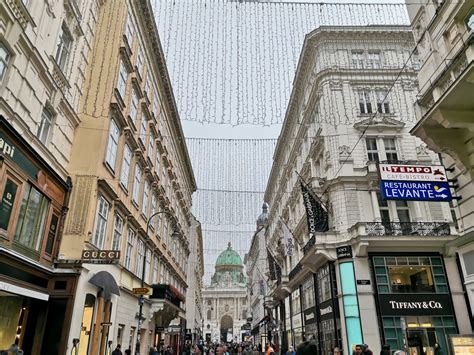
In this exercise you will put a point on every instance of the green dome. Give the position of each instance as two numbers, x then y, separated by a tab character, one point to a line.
229	257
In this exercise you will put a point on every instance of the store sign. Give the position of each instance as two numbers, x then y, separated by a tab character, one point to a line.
415	191
414	183
327	310
399	172
100	256
344	252
415	304
9	150
363	282
6	205
310	316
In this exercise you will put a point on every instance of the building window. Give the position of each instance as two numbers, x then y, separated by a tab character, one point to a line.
468	259
153	211
324	284
390	149
383	105
308	294
134	107
148	265
140	256
155	105
365	103
146	195
147	86
403	212
4	59
122	80
127	160
373	60
140	60
45	126
384	210
158	163
136	184
111	156
410	274
101	223
118	229
358	59
129	249
469	20
155	270
129	30
64	48
151	146
32	219
143	129
372	151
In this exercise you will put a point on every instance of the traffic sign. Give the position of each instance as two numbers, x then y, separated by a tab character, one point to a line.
415	191
141	291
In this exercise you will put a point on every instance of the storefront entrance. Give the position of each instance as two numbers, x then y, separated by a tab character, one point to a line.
421	341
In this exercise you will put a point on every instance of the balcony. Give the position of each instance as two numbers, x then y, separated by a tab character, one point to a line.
433	229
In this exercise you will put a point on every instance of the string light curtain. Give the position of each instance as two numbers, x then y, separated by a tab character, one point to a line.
233	62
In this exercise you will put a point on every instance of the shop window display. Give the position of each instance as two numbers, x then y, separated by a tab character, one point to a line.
410	275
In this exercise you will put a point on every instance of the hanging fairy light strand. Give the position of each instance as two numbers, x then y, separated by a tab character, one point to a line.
243	75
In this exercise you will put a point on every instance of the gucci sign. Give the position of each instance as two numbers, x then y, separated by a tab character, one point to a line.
100	256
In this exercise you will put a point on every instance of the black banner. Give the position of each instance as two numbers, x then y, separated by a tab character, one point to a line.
415	304
316	216
344	252
273	267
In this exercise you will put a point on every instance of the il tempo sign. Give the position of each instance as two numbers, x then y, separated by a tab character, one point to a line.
414	183
396	172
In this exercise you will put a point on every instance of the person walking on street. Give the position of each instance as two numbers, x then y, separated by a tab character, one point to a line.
291	351
117	350
307	348
385	350
270	350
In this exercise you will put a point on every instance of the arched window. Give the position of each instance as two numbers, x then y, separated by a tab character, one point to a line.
209	314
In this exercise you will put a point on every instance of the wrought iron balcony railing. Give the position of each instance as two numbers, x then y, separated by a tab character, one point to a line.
436	229
295	271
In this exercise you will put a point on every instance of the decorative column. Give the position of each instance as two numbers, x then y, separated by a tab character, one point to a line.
105	327
375	206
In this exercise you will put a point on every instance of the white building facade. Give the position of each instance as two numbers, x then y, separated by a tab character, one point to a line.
444	32
352	108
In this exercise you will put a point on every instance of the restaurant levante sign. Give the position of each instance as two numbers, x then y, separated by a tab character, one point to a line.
414	182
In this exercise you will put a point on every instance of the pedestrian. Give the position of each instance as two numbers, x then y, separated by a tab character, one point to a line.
270	350
168	350
198	349
307	348
291	350
117	350
128	352
385	349
366	350
154	351
337	351
14	350
358	349
255	350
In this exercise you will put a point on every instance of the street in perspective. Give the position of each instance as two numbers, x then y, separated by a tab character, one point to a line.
236	177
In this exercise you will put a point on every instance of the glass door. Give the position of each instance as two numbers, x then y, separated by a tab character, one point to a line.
421	341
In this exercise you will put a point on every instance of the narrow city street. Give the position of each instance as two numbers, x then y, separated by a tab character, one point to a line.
236	177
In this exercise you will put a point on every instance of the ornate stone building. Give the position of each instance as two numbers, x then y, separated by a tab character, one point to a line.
225	299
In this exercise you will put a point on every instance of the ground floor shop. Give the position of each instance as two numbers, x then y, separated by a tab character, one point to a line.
413	302
35	305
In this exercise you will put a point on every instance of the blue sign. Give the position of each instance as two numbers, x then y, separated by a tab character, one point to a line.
415	190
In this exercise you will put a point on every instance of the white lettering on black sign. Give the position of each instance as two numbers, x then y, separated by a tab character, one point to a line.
416	305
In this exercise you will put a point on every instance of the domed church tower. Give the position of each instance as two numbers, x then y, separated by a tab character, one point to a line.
229	270
225	299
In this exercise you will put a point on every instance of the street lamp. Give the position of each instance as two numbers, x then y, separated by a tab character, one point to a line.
141	300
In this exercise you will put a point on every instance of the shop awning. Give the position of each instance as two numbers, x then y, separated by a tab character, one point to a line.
22	291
